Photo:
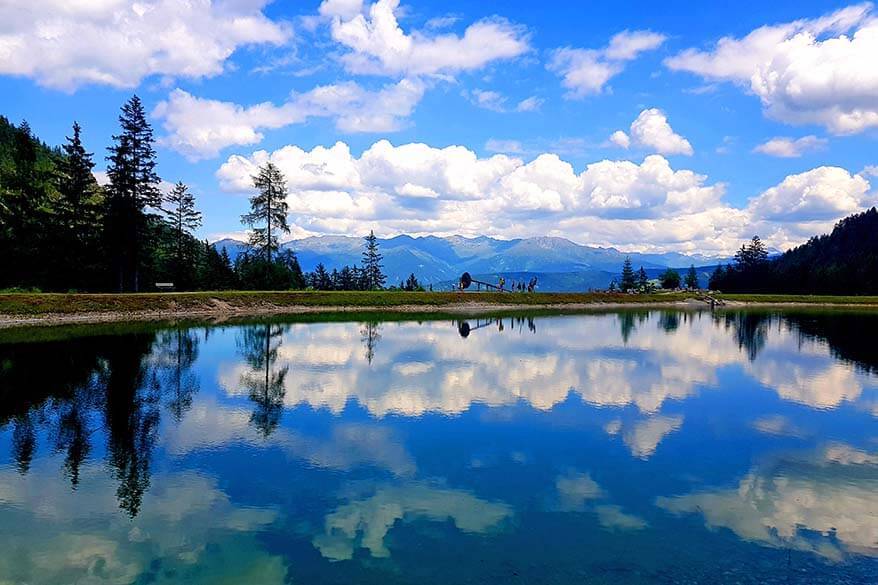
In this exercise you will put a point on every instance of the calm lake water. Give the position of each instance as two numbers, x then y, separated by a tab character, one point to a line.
630	447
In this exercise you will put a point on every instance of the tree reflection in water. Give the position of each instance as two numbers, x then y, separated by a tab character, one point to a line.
259	346
24	441
119	380
370	335
131	414
176	354
68	392
629	321
750	330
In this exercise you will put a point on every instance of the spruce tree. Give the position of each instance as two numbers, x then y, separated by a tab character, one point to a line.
184	219
321	279
373	276
77	214
76	185
411	283
346	279
268	211
642	279
629	279
691	278
134	188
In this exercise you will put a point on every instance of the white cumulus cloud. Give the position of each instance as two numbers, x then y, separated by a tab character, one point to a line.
648	205
818	71
65	45
378	45
200	128
418	189
587	71
620	139
821	194
652	130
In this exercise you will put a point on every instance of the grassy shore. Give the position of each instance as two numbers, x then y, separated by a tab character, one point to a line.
801	299
36	304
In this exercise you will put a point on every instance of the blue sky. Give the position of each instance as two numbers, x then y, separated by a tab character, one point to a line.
681	126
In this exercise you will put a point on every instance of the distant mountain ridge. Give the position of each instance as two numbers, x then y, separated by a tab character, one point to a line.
437	260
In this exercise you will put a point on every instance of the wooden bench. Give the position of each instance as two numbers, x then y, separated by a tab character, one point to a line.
164	286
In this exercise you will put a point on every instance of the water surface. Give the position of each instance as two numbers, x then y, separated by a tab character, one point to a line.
628	447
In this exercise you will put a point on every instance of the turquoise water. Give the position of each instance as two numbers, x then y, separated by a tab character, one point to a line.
630	447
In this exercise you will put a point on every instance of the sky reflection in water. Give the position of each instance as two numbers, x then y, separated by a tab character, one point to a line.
632	447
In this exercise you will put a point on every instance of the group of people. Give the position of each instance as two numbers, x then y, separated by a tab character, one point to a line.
519	286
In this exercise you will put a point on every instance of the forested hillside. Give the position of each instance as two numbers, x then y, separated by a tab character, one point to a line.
61	231
842	262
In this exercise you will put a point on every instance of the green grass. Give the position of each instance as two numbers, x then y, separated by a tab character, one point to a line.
37	304
29	304
812	299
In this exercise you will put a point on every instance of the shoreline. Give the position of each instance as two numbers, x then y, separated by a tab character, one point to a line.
464	309
214	306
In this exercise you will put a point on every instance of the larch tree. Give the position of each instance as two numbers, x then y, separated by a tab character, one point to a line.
268	211
184	219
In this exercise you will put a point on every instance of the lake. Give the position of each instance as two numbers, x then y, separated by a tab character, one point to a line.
607	448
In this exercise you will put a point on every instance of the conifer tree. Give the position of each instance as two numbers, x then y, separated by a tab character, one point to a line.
77	213
321	279
268	211
184	219
642	279
76	185
752	255
372	274
670	279
629	279
133	190
691	278
411	283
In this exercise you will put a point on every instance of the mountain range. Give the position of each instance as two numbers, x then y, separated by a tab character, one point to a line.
558	263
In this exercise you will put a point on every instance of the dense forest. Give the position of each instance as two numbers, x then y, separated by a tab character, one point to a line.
842	262
62	231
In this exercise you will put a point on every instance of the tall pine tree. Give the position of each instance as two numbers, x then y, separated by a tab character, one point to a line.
629	278
78	212
372	274
268	211
133	190
184	219
642	279
691	278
